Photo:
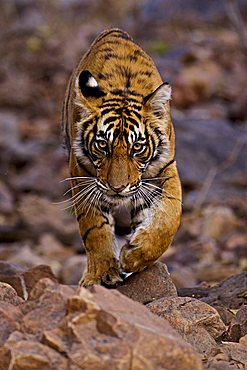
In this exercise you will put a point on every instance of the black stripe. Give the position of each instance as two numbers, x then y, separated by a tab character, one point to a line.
134	226
133	121
82	166
139	52
109	128
92	228
122	35
112	42
90	146
132	58
106	111
107	33
105	209
157	132
104	76
128	82
170	133
110	120
104	50
165	166
151	150
141	81
79	217
129	97
118	92
113	56
145	73
166	179
108	108
88	140
151	141
138	115
111	101
136	107
86	124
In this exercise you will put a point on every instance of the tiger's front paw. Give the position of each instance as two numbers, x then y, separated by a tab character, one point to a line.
108	278
89	279
133	259
111	278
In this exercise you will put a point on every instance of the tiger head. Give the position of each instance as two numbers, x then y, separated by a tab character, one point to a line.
121	135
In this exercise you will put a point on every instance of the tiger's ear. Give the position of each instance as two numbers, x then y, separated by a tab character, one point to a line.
158	98
89	86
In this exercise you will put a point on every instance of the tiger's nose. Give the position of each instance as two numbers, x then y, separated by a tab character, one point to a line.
117	189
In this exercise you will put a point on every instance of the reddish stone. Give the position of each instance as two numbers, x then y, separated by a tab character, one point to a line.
153	283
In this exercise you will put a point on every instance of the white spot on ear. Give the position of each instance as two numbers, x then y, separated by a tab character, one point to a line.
92	82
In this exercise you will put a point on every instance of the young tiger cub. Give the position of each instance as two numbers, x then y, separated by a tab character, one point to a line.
120	138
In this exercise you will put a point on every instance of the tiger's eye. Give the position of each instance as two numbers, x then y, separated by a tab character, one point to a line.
137	147
102	144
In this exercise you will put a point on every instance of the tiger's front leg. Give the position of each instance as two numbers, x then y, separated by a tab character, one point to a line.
97	232
100	245
99	242
155	230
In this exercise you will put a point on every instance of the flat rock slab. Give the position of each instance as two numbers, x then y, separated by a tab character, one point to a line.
61	327
151	284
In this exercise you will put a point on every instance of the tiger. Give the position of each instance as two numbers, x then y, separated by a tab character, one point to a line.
117	129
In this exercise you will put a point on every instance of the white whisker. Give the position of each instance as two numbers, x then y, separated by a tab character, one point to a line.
155	178
86	197
151	196
164	191
97	201
152	185
78	177
77	198
160	204
78	186
77	195
90	205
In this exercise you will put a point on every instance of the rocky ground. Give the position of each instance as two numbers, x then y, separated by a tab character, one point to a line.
47	325
198	51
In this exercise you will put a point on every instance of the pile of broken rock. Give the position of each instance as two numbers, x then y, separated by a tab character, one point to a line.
143	324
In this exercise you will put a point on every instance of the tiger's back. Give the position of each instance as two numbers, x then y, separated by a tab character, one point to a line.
118	63
119	135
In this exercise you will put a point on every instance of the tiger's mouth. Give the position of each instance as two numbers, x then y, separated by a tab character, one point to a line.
122	196
120	193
